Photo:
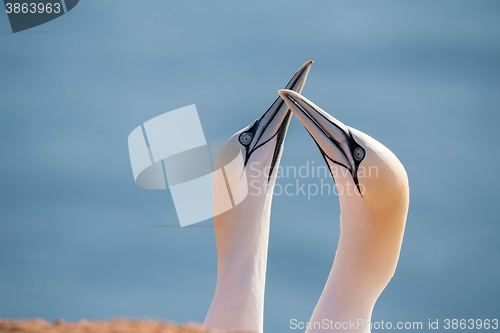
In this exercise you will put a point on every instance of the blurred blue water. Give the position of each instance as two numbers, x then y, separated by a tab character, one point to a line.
75	231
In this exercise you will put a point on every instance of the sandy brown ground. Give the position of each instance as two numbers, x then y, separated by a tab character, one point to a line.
111	326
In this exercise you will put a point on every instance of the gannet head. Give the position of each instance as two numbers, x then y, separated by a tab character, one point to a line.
251	156
355	158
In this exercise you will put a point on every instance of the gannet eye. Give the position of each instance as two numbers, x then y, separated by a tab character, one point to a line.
246	138
358	153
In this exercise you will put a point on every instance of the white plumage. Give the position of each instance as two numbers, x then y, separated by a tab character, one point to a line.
242	233
372	219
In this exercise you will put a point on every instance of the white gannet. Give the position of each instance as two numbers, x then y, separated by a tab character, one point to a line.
374	198
242	233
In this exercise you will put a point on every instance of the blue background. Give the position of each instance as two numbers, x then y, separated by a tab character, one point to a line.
78	237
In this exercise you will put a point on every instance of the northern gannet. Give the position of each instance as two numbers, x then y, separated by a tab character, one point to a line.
242	233
374	198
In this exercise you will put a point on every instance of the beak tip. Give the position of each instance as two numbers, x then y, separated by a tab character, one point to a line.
286	92
282	92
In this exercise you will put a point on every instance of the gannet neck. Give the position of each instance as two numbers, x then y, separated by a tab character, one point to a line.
242	235
365	261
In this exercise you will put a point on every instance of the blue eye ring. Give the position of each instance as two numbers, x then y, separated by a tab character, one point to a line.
358	153
246	138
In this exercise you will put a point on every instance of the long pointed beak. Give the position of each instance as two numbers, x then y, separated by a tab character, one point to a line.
275	121
332	136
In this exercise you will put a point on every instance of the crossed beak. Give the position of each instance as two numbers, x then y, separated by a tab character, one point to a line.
276	119
332	137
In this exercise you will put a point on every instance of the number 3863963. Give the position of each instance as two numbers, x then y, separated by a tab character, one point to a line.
32	8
